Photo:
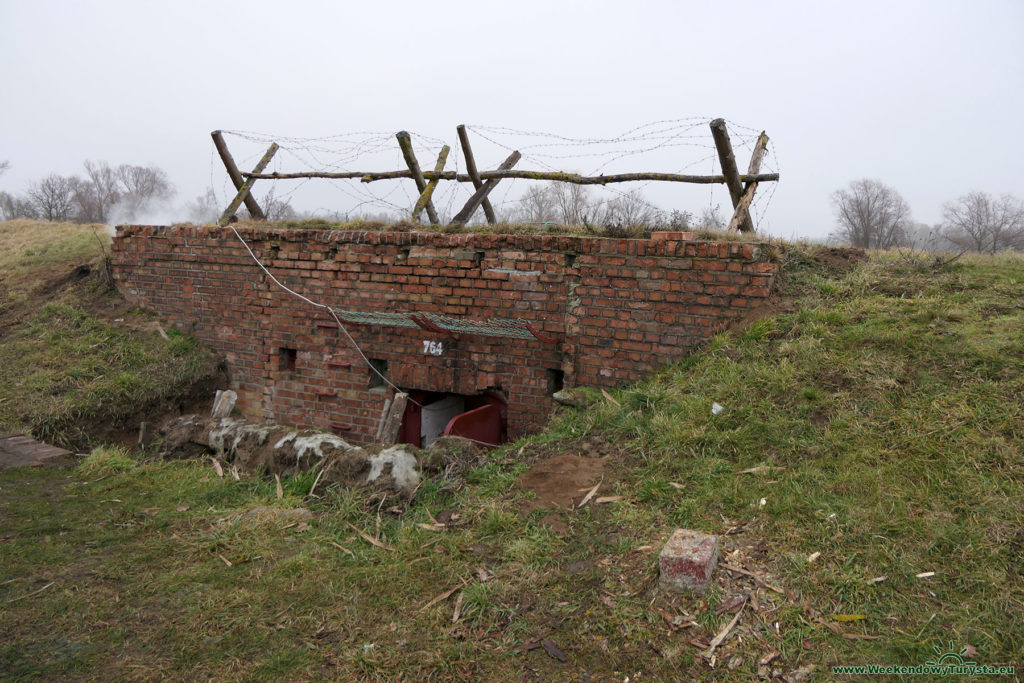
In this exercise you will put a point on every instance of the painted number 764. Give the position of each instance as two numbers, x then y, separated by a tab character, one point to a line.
432	348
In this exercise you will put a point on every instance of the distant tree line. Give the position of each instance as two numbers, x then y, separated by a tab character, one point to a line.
873	215
562	203
106	194
570	204
101	194
205	209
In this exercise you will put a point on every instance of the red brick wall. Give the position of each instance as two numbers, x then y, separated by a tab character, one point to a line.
619	309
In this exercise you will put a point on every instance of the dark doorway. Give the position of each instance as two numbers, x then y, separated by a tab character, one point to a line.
430	415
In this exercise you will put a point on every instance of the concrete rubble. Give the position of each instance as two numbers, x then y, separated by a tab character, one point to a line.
276	449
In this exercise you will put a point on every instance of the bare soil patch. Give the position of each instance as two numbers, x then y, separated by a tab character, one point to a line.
562	481
839	260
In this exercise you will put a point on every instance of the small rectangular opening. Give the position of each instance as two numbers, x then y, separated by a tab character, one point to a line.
286	359
556	380
378	371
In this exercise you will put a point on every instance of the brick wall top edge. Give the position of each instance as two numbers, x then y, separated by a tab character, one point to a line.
570	243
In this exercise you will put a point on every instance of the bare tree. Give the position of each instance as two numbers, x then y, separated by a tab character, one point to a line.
139	187
711	219
871	215
203	209
537	205
629	209
274	208
52	197
97	193
980	222
676	220
572	202
147	182
12	207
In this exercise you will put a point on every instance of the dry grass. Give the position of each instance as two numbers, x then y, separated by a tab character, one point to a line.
885	405
547	228
30	250
78	361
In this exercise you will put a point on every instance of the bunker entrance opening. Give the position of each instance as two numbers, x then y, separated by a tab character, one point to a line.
431	415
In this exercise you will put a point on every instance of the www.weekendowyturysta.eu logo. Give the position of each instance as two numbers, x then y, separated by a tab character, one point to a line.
947	662
950	657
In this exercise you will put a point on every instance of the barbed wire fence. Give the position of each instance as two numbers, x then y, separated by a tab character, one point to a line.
678	146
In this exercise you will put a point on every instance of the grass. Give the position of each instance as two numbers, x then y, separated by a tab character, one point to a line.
75	355
634	231
887	403
29	249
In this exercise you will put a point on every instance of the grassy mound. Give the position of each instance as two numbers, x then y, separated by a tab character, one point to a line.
865	475
79	365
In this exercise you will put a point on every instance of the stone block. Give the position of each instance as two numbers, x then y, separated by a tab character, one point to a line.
687	561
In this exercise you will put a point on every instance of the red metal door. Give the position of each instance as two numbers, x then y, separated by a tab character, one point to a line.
482	425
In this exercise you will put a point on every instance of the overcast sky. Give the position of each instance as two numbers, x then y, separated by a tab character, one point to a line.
925	96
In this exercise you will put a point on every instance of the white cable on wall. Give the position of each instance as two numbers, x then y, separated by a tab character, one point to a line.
318	305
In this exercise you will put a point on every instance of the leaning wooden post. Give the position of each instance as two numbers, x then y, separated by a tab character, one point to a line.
236	178
742	210
417	175
480	195
729	170
243	191
473	173
393	424
428	192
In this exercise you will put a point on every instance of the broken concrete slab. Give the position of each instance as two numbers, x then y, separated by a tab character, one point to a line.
687	561
223	404
273	449
276	449
398	463
391	467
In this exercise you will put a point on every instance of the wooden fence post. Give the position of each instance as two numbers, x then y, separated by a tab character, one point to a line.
742	211
480	195
236	178
729	170
393	424
417	175
428	192
243	191
473	173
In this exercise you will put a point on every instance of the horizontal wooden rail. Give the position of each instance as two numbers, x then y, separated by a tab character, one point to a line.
574	178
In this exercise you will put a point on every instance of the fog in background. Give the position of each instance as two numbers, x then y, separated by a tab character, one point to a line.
924	96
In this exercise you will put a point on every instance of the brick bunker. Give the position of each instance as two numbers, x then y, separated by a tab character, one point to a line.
463	322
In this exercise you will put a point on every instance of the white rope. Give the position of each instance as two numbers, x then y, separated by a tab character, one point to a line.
340	326
318	305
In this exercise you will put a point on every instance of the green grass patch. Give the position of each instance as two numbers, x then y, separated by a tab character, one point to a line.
106	460
78	364
883	413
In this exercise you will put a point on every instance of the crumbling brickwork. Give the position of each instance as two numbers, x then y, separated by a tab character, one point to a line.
607	311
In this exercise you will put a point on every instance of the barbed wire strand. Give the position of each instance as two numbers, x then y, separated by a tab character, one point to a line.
338	152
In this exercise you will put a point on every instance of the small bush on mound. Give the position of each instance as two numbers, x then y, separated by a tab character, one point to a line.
106	460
